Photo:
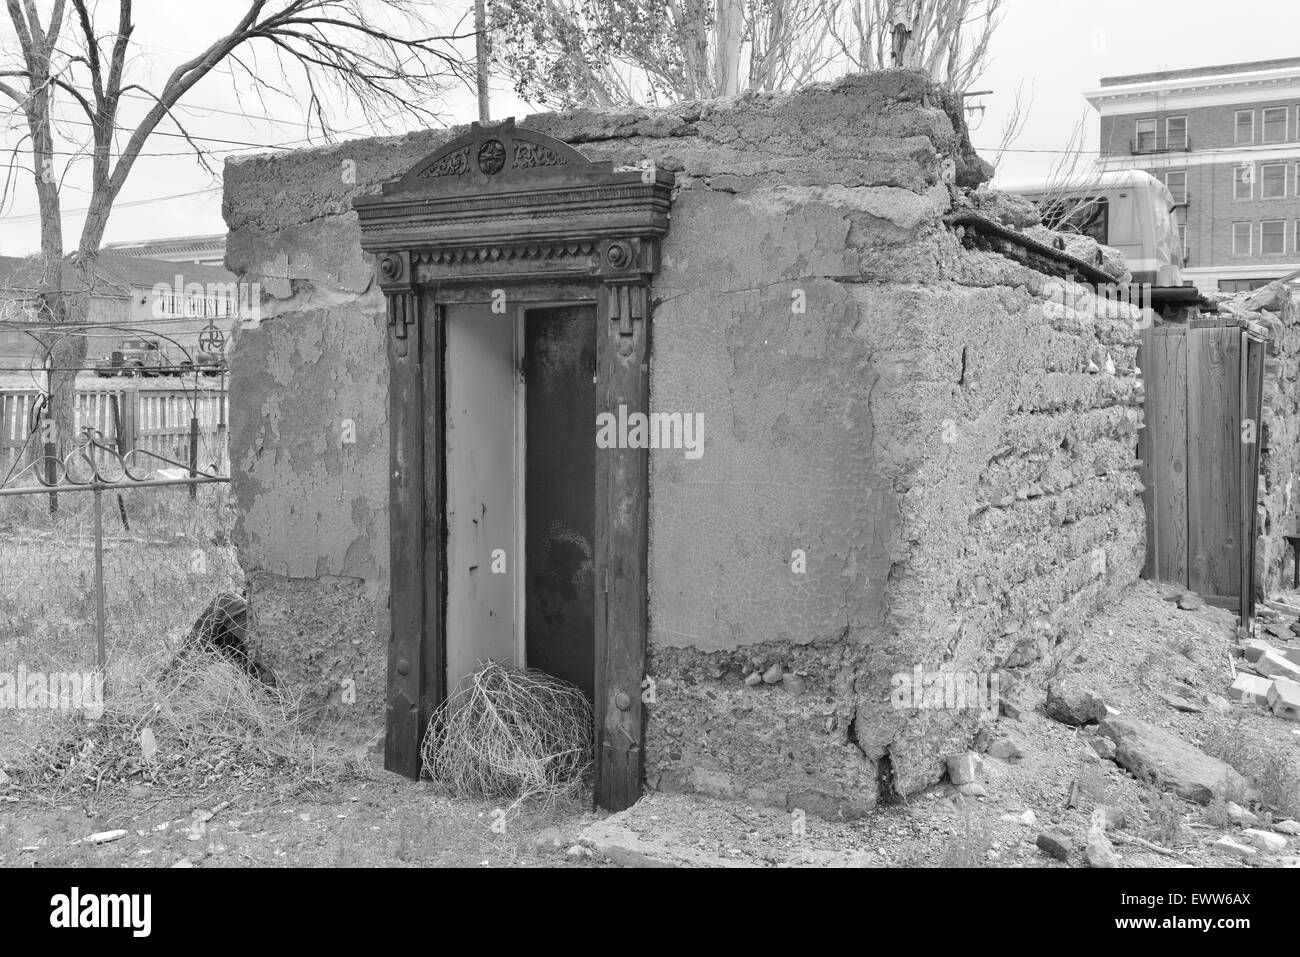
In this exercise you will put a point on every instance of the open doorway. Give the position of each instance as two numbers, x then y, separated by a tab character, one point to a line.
520	490
560	497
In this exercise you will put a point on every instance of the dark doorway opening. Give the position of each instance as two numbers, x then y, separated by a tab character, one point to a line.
560	493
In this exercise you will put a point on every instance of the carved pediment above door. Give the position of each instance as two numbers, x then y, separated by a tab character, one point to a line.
504	202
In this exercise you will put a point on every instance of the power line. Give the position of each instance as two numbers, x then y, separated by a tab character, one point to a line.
35	217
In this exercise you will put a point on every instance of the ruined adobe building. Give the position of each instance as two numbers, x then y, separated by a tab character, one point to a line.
885	396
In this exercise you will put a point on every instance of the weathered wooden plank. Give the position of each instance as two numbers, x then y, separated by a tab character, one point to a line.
622	523
406	536
433	649
1149	497
1213	489
1166	400
1253	351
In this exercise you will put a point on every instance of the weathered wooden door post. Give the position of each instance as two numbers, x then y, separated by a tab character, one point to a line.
509	212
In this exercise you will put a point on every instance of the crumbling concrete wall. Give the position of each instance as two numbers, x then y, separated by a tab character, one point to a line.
908	462
1276	310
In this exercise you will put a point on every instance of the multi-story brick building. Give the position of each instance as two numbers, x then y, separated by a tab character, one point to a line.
1226	141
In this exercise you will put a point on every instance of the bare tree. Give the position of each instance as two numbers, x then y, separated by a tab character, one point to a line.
1071	200
378	59
1012	128
948	39
623	52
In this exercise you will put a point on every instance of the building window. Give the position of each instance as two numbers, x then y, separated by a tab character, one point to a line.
1272	181
1146	136
1176	133
1242	285
1272	237
1176	180
1274	122
1245	127
1241	236
1242	178
1182	243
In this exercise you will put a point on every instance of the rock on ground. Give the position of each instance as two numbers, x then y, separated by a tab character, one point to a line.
1154	755
1071	703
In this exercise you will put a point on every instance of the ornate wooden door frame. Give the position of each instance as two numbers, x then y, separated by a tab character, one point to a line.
504	210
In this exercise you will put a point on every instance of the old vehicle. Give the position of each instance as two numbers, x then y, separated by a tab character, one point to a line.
137	357
201	360
1131	211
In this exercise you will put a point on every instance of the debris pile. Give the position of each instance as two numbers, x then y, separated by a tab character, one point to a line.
1269	674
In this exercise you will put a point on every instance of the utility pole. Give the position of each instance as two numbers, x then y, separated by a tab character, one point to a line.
481	57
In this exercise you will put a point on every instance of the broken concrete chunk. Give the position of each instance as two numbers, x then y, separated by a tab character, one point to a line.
962	768
1190	601
1007	749
1099	852
1156	756
1071	703
753	678
1284	699
1218	703
1287	827
1104	747
1239	815
1054	844
1250	689
1228	846
1253	648
793	683
773	674
1111	816
1276	665
1265	840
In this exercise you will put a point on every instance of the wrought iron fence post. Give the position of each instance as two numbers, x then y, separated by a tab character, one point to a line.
99	578
194	454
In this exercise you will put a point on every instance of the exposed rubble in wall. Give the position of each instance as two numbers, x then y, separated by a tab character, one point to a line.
1004	406
1276	310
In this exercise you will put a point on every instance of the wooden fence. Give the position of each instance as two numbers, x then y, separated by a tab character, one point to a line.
157	420
1200	454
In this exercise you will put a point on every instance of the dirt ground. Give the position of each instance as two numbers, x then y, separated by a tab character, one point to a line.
383	821
1139	648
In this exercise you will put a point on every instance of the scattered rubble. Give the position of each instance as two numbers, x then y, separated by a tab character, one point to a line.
1054	844
1157	756
1099	852
963	768
1284	699
1228	846
1251	689
1265	840
1072	703
1007	749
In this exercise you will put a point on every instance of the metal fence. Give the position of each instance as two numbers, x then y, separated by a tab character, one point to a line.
163	421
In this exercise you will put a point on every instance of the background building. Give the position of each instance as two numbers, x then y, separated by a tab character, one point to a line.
132	296
203	250
1226	141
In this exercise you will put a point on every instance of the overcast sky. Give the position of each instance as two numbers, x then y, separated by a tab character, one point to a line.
1053	50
